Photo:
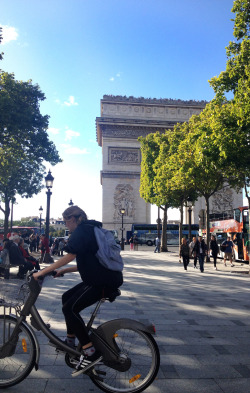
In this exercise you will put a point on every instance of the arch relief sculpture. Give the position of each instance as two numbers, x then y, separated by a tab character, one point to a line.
222	201
124	199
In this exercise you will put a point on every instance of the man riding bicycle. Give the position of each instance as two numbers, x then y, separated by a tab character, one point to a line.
96	281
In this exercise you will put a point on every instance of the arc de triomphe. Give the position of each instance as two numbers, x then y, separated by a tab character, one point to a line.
122	121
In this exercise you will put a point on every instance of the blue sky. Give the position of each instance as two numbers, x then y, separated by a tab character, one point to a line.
79	50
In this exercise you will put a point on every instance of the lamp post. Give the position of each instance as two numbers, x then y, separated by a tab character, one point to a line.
190	204
71	203
122	211
41	210
49	184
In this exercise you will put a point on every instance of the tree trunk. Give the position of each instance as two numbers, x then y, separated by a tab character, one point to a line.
207	226
6	216
164	239
180	226
248	199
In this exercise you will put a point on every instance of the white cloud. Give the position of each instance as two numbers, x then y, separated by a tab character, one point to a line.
118	75
53	130
71	134
68	149
9	33
70	102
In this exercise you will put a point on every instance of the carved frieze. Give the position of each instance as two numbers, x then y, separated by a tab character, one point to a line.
223	201
124	199
130	156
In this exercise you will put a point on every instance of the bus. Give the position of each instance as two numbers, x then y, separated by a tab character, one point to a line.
236	226
146	233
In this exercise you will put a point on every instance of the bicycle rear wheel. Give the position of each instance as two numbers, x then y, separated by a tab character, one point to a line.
14	368
143	353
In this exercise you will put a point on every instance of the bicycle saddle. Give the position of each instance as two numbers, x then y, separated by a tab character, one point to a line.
111	296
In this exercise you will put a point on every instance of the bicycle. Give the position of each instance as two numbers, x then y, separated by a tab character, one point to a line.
131	357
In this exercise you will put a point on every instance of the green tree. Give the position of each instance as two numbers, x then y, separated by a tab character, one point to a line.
24	142
238	52
196	159
156	176
150	148
236	79
167	165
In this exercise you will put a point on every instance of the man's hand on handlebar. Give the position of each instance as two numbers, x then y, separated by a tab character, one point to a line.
59	273
42	274
37	275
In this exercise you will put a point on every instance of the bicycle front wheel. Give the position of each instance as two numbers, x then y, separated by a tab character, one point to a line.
17	366
143	354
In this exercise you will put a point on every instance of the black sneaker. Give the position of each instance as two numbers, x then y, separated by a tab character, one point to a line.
86	362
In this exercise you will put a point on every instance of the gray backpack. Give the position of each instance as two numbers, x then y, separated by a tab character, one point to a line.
108	252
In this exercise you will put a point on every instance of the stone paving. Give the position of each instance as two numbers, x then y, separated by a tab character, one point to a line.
202	322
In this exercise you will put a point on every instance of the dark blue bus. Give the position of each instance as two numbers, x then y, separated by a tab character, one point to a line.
146	233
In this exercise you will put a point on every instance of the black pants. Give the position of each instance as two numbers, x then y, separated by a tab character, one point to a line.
73	302
214	255
25	267
185	259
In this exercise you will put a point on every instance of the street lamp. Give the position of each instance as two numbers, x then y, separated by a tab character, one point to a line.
190	204
49	184
122	211
41	211
71	203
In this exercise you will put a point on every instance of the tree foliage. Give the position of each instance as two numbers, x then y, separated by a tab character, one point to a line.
198	157
24	142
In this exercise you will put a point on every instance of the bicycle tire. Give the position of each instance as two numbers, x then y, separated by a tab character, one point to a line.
144	355
15	368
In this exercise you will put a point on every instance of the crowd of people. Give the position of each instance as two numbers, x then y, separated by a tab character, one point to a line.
17	250
199	250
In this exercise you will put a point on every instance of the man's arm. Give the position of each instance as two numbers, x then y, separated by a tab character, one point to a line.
56	265
70	269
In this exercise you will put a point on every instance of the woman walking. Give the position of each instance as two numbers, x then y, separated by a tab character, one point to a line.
184	252
214	249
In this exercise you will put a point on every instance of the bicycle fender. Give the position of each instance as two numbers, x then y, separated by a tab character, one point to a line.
34	338
122	323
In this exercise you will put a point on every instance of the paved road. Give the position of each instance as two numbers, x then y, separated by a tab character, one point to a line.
202	322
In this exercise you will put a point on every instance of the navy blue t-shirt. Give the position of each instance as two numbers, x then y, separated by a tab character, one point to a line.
82	242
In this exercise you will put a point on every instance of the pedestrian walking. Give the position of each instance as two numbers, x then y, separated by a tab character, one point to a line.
131	242
184	252
135	243
228	254
157	244
201	250
214	248
192	252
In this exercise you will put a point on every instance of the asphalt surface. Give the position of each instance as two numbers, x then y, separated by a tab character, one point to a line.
202	324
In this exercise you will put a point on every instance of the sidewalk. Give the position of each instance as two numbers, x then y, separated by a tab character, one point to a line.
202	322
